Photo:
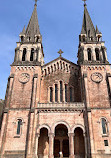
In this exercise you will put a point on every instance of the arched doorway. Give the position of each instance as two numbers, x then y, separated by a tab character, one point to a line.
61	141
43	143
79	144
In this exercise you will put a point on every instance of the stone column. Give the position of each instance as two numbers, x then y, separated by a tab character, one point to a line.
28	53
71	145
36	145
58	89
101	55
105	54
85	142
34	90
53	92
85	54
86	89
20	55
63	92
51	145
93	54
9	91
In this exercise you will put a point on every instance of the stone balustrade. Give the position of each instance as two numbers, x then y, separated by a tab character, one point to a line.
61	105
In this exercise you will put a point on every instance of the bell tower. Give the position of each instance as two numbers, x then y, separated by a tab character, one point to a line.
29	49
91	46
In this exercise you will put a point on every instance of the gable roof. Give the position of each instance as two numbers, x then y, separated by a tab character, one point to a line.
59	58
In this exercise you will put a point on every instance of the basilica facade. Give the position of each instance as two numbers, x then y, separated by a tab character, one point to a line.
58	109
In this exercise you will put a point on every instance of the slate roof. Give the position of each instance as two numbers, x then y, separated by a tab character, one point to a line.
88	27
33	26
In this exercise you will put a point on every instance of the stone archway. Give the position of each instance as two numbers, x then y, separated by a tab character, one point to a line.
61	141
79	143
43	143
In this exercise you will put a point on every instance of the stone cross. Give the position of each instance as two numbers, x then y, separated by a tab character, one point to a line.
84	2
60	52
35	1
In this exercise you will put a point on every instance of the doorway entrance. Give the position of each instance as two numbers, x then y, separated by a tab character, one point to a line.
79	145
61	141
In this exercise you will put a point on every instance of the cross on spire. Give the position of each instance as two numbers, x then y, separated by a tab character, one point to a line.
36	2
60	52
84	2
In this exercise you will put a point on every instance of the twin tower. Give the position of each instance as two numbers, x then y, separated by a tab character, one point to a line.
58	109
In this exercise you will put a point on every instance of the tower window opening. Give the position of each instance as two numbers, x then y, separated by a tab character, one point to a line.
29	39
22	38
19	126
104	126
51	94
89	33
105	142
65	92
70	94
89	54
61	97
24	54
97	54
83	38
32	54
56	93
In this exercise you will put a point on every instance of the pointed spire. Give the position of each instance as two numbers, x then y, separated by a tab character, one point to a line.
87	26
23	31
97	30
33	26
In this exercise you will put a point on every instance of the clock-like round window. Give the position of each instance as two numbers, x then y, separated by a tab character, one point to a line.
24	78
96	77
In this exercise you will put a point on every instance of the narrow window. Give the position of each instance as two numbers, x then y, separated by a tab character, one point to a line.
70	94
32	54
97	54
22	38
24	54
89	54
89	33
19	126
65	92
105	142
83	38
56	93
104	126
61	98
51	94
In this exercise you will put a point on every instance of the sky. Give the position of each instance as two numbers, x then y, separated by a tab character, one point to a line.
60	23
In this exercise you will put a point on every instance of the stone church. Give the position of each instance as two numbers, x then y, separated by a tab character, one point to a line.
58	109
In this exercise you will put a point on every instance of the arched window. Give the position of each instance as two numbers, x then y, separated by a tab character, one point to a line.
70	94
32	54
61	97
104	126
51	68
19	124
65	92
54	67
97	54
22	38
89	54
57	65
48	70
83	37
51	94
89	33
24	54
56	93
45	72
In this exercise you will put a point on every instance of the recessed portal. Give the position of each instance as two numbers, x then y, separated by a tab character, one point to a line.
61	141
79	147
43	145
